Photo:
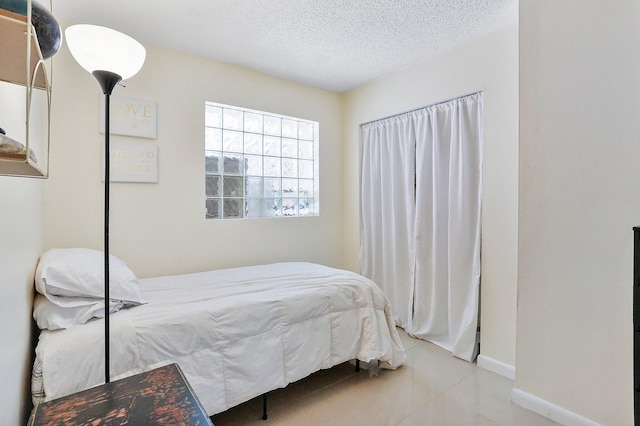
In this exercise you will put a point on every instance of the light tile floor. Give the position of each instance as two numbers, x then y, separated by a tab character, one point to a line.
432	388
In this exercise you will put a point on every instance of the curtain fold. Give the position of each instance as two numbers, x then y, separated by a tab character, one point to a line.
420	219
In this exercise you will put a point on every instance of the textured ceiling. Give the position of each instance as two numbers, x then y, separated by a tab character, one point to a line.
332	44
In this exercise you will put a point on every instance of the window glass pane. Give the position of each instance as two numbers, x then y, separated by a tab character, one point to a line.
255	208
272	207
306	169
233	208
272	187
252	122
289	128
253	164
212	184
289	206
290	148
212	162
272	166
232	119
253	144
305	206
233	163
232	186
305	131
213	208
272	146
289	187
289	167
306	188
232	141
272	125
305	150
254	188
212	139
213	116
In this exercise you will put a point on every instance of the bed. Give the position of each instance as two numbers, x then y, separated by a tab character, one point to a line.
236	333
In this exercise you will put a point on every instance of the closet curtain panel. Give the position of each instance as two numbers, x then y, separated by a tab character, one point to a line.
388	206
440	279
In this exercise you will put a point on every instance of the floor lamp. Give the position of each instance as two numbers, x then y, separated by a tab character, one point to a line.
111	57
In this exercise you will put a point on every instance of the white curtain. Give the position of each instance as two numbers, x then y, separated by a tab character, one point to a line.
388	206
421	189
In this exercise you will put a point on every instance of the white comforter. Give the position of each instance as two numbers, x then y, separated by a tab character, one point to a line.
236	333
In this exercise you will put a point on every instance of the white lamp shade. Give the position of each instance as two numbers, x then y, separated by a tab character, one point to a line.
103	49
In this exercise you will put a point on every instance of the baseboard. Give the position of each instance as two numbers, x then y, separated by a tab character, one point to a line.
549	410
497	367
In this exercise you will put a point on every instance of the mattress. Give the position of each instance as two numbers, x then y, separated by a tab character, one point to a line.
236	333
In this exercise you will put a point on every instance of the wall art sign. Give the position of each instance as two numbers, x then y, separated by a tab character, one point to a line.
130	117
132	162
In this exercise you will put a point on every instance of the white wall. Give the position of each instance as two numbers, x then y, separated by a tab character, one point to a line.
160	228
488	64
579	176
21	236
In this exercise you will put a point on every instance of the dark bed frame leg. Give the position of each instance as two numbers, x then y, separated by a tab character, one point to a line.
264	406
264	395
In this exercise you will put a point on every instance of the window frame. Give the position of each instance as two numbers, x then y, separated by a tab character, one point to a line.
288	162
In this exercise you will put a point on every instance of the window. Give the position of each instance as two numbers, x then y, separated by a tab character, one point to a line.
259	164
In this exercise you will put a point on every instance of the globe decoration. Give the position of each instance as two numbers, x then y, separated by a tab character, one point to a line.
47	28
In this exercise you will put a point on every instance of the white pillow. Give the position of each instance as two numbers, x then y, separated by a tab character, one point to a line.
50	316
75	277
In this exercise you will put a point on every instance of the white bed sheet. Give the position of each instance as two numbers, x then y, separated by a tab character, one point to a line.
236	333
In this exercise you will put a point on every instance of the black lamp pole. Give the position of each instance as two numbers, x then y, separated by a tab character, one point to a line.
108	81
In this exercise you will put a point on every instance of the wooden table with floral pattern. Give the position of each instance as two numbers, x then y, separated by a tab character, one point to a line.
157	397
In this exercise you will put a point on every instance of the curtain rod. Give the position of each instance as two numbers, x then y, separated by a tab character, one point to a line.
418	109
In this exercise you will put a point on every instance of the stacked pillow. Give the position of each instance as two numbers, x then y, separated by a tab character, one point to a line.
70	286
